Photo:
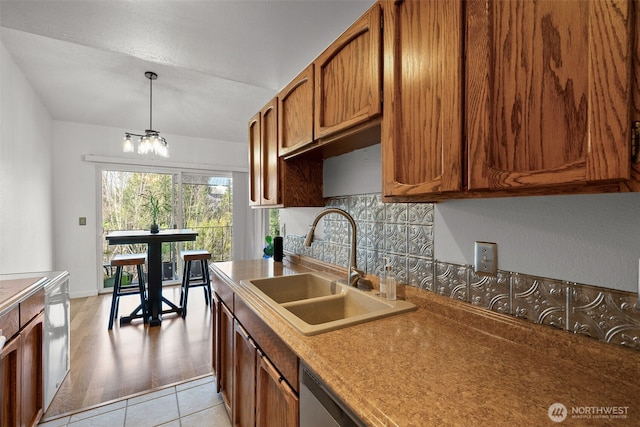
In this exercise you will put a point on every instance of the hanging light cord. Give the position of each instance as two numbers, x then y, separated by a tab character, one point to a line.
150	103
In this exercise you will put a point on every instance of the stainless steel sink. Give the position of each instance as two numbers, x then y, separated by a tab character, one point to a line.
315	302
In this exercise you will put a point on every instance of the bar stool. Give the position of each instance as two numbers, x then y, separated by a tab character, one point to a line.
119	290
188	257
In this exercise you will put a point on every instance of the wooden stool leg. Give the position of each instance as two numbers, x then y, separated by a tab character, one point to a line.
115	297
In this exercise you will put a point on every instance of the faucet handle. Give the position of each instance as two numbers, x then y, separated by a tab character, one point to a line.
354	275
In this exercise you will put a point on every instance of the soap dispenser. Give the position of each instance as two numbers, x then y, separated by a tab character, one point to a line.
383	279
390	282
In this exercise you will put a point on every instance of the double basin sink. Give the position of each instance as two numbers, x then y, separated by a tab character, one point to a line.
315	303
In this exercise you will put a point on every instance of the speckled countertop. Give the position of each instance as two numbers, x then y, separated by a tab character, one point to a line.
16	287
452	364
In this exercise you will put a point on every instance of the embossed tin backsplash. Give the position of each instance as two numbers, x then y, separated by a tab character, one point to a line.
403	233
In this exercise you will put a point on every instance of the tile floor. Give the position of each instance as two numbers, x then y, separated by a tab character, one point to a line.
193	403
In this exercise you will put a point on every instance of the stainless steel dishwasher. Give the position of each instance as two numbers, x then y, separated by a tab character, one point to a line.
319	406
56	334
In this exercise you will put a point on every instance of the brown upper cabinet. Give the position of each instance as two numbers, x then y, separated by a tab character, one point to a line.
254	160
295	113
545	105
273	181
482	99
348	77
422	122
548	92
334	104
263	156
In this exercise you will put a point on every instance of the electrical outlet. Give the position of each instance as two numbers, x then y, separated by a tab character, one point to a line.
486	258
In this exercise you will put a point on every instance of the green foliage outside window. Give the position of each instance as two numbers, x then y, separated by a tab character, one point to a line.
274	222
211	215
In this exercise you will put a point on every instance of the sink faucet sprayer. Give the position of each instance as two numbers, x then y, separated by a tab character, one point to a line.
353	274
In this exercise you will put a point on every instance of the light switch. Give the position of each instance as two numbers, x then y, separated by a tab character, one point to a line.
486	258
82	220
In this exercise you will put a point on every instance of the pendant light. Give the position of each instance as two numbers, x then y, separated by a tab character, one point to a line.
151	141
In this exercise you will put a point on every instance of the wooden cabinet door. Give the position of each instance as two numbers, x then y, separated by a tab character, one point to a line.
547	92
225	376
270	172
422	135
32	399
295	113
264	168
244	394
11	363
348	77
277	404
255	161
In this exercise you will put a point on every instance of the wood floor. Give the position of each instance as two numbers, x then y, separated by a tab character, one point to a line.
108	365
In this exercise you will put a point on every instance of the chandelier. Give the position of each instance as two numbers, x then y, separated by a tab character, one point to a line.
151	141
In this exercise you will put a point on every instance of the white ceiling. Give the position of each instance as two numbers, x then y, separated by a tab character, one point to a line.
218	61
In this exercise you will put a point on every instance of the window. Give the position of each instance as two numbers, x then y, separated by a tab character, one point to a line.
200	202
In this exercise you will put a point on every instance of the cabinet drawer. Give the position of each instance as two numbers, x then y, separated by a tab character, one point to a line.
31	307
10	322
278	352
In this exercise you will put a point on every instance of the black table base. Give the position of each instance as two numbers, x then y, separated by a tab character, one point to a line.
137	314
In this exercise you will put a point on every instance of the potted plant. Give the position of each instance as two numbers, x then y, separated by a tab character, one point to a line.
155	207
267	250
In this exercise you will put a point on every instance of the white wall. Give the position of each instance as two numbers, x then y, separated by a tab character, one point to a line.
358	172
25	174
76	186
589	239
245	236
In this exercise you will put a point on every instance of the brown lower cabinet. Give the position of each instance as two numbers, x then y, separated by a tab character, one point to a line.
225	348
244	394
22	403
11	381
250	361
276	402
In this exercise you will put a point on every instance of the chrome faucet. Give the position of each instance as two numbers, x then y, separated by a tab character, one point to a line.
353	274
